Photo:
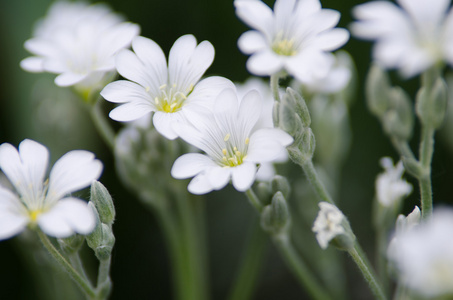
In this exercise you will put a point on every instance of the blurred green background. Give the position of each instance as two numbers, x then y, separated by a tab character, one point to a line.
140	267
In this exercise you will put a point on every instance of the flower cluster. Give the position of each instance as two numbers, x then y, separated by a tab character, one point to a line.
78	41
390	187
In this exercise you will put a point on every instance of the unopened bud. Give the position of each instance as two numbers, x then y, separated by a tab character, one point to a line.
104	249
398	121
103	202
275	217
299	106
263	191
432	105
377	87
95	237
281	184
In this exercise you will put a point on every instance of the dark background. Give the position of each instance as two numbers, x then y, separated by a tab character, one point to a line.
140	267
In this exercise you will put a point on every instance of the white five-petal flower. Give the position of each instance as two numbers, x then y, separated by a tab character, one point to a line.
328	224
390	187
411	38
423	255
44	203
170	92
296	36
78	41
232	143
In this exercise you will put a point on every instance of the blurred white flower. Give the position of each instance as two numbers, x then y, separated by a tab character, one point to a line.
390	187
40	202
424	255
328	224
336	79
411	38
266	171
170	92
233	144
78	41
296	36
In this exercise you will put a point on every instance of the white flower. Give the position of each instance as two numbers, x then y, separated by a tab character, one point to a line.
233	144
266	171
40	202
411	38
424	255
297	37
328	224
390	187
336	79
78	41
170	92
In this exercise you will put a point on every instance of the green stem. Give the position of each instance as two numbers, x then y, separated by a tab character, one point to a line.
316	183
254	200
247	275
426	153
192	245
102	125
365	267
104	283
381	258
84	286
403	148
299	268
173	241
275	78
76	262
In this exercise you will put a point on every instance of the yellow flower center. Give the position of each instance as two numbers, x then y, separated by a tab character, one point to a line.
284	47
170	100
232	157
34	214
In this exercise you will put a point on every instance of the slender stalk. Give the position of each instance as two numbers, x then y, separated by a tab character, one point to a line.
426	153
381	242
254	200
367	272
248	272
315	182
275	78
402	147
299	268
191	245
102	125
104	279
84	285
76	262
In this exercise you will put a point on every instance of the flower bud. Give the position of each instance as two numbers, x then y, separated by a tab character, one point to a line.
432	105
298	105
103	202
398	121
377	87
263	191
95	237
275	217
281	184
105	247
303	147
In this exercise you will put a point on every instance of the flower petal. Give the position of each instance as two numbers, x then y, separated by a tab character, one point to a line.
12	221
68	79
163	122
122	91
66	217
152	56
187	62
266	144
256	14
251	41
206	91
32	64
264	63
243	176
73	171
131	111
331	40
25	168
130	67
200	185
190	164
218	176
